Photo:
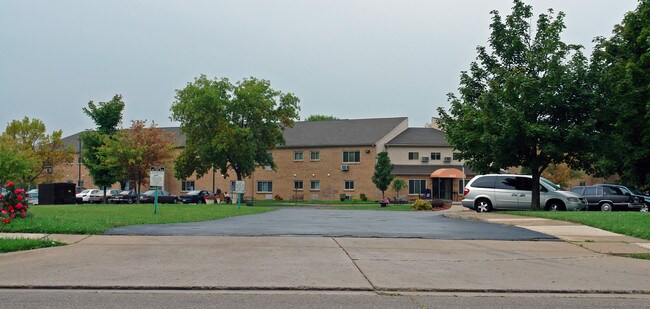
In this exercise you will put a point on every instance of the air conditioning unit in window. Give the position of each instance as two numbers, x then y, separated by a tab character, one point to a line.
345	167
447	160
424	159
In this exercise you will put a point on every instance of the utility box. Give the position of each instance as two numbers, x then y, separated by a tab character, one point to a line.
56	193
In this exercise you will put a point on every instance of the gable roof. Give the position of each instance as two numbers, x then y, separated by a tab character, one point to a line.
179	139
416	137
343	132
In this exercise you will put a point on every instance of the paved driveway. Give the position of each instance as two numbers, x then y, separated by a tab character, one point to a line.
339	223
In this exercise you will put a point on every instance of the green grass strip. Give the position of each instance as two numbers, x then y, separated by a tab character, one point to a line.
21	244
630	223
95	219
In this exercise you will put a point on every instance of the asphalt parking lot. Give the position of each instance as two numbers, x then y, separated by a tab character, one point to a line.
340	223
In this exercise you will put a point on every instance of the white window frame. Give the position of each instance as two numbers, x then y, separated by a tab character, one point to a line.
298	156
298	185
269	186
436	156
347	183
185	183
317	156
314	185
346	156
412	186
414	155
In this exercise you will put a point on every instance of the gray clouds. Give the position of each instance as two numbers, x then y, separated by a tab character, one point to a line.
351	59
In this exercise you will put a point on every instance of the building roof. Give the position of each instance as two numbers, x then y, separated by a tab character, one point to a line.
179	139
344	132
419	137
425	170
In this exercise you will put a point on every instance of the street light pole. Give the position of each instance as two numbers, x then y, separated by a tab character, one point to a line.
79	162
295	190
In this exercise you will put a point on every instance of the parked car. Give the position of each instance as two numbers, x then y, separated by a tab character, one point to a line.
195	196
607	197
164	197
90	195
32	197
124	197
485	193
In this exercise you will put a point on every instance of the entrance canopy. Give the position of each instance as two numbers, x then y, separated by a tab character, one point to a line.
448	173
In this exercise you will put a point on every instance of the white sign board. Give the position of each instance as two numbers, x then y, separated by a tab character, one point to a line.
157	177
240	187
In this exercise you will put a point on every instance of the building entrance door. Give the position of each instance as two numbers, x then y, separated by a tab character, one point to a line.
442	188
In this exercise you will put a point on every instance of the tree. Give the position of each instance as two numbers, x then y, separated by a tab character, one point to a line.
107	116
621	65
399	185
230	126
382	176
320	118
132	152
525	102
14	163
43	151
561	174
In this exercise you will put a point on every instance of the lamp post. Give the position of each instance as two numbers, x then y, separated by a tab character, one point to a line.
295	190
79	162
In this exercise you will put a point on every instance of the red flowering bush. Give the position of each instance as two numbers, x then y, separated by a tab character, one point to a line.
13	203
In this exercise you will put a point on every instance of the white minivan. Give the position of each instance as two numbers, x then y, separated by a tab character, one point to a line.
509	192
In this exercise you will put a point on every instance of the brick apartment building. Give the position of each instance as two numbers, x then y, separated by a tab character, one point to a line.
329	160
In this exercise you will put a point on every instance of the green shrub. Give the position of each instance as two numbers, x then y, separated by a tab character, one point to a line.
363	197
421	205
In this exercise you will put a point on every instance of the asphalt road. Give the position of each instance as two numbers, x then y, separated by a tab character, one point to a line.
199	299
340	223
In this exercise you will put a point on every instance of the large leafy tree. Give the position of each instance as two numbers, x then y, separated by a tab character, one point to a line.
621	65
40	151
525	101
382	176
14	163
318	117
230	126
107	116
134	151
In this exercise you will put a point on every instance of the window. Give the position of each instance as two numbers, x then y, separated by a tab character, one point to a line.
590	191
417	186
232	185
314	155
435	156
349	185
297	185
414	155
297	156
506	183
351	157
487	182
187	185
455	156
524	184
264	186
314	185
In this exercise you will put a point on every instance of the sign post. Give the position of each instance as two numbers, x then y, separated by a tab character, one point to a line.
156	179
240	188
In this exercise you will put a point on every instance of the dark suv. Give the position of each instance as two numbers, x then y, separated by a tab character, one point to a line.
609	197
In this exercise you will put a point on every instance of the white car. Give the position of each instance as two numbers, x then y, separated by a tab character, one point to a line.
90	195
32	197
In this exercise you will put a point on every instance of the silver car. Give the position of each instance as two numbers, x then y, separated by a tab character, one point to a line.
507	191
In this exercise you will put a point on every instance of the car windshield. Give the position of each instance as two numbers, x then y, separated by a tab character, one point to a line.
195	192
635	191
86	191
125	192
549	185
150	192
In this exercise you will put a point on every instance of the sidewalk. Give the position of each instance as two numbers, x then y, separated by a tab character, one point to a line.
591	238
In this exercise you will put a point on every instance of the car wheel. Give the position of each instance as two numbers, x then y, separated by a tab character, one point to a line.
200	201
483	205
555	206
607	206
175	201
129	201
644	208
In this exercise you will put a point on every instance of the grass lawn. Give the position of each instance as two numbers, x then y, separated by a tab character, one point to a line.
95	219
635	224
21	244
311	203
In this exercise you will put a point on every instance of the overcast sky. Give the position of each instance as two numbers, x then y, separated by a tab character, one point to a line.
351	59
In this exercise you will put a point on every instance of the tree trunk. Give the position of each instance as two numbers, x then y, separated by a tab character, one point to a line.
536	174
104	198
137	193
